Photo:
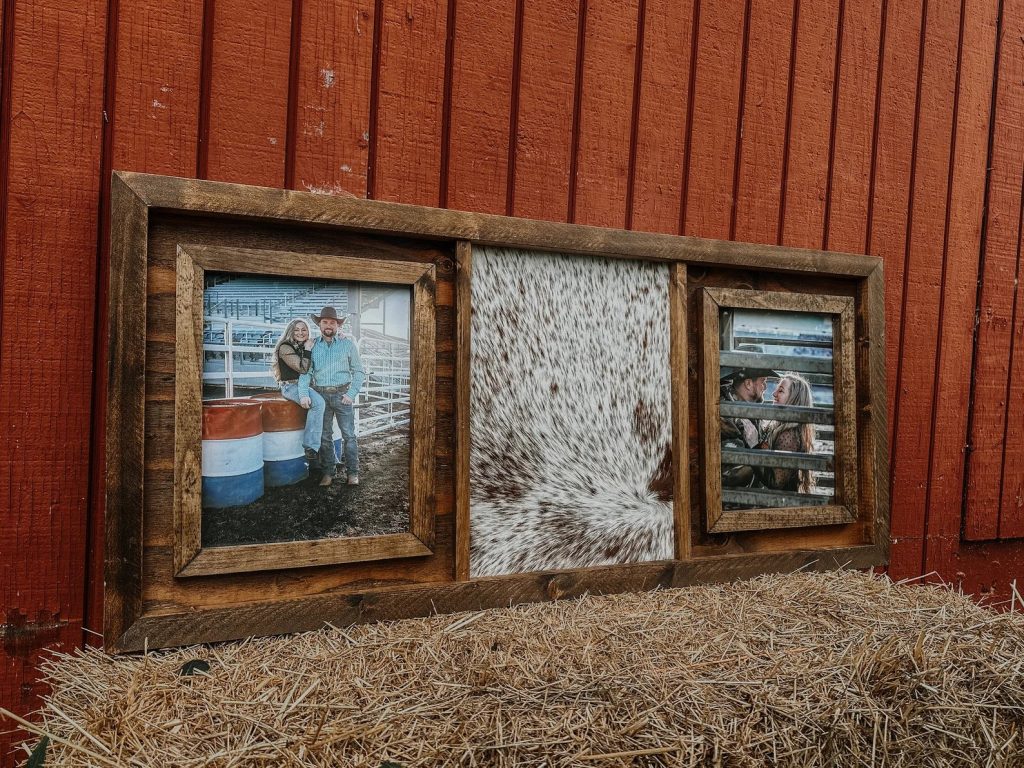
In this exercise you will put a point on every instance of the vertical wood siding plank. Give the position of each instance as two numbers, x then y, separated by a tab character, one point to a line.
606	113
959	289
716	101
664	96
888	222
803	214
481	100
410	103
543	140
919	326
849	185
248	110
53	146
153	116
999	268
763	133
332	132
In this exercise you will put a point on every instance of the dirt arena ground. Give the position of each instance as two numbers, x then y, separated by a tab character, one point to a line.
378	505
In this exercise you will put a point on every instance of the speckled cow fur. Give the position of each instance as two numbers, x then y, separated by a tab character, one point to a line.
570	415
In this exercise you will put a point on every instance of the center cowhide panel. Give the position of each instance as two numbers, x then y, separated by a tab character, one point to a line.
570	425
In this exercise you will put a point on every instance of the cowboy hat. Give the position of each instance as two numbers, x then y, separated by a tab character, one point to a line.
327	313
735	375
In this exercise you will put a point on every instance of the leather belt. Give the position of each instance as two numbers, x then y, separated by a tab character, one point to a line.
331	390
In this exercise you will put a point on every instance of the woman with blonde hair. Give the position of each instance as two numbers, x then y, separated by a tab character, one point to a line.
292	358
792	389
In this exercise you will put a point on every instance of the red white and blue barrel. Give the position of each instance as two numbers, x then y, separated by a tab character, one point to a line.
232	453
284	458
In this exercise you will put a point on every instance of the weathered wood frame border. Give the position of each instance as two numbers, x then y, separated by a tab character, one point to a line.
841	310
128	626
190	558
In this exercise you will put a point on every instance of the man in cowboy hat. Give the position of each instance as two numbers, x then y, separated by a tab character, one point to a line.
746	384
337	374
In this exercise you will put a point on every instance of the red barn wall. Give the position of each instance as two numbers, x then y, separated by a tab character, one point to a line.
868	126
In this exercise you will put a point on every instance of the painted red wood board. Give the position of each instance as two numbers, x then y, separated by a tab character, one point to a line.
859	125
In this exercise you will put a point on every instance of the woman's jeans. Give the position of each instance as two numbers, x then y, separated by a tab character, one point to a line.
314	416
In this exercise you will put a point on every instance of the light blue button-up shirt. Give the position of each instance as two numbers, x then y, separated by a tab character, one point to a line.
335	364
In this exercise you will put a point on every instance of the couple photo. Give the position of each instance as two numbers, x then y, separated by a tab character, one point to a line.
306	409
324	378
750	385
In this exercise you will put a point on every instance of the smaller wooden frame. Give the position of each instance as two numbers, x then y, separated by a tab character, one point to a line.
190	557
792	510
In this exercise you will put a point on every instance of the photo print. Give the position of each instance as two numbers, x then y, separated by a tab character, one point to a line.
570	412
777	424
306	409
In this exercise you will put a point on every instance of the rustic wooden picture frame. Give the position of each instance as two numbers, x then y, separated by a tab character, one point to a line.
844	509
190	557
147	604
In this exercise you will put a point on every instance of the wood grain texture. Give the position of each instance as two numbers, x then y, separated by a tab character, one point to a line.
680	410
890	204
244	139
188	409
664	94
892	166
959	285
410	103
417	221
50	156
357	607
923	276
708	192
463	341
330	150
152	110
760	153
480	107
998	272
1000	333
810	125
856	95
606	114
544	123
125	430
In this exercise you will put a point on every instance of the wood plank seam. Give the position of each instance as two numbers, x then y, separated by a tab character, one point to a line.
688	143
877	125
374	119
832	130
789	123
92	612
205	78
741	105
446	106
638	70
577	109
513	112
898	373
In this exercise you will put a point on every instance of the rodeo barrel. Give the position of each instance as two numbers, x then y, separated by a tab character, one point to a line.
284	458
232	453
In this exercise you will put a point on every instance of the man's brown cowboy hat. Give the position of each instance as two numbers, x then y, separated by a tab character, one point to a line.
327	313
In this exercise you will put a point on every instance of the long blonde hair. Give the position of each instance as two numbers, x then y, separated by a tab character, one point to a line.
800	395
287	336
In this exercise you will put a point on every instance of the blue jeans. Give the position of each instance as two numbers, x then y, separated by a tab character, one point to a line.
346	415
314	416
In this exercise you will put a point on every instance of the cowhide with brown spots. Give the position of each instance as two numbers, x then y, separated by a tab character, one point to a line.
570	464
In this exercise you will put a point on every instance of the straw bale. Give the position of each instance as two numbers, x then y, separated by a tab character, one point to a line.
805	669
